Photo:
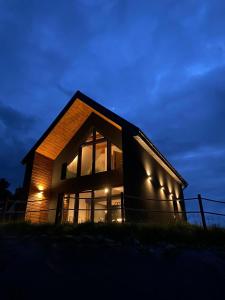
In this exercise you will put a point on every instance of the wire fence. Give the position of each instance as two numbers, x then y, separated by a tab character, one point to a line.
196	210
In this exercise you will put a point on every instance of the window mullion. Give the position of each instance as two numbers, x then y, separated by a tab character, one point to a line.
93	151
108	155
79	162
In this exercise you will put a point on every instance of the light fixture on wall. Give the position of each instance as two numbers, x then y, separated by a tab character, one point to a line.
149	178
40	194
40	188
40	191
163	188
106	190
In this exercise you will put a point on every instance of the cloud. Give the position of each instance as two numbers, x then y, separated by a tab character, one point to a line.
16	131
159	64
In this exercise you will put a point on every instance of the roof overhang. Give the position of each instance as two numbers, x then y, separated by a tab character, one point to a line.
73	116
68	122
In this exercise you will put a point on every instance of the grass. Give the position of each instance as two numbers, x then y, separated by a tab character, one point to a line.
178	234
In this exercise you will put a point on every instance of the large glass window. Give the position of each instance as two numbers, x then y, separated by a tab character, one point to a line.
86	160
93	206
101	157
68	208
84	214
100	206
71	170
116	158
94	148
116	204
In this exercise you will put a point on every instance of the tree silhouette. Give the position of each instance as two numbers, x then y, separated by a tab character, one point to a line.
4	192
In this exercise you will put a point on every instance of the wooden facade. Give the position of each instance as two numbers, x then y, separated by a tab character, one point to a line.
66	137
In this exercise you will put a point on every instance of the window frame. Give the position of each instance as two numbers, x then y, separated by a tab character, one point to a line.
93	142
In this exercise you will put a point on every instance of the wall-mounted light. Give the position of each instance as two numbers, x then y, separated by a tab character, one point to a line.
149	178
162	188
40	188
40	194
106	190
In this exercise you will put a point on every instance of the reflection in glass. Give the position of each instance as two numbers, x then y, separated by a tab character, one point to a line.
86	160
116	204
99	136
101	157
116	158
68	208
89	138
84	214
71	170
100	214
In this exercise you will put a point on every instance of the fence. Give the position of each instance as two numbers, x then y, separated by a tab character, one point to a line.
128	206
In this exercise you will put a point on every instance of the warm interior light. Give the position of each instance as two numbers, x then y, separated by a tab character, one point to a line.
149	177
162	188
106	190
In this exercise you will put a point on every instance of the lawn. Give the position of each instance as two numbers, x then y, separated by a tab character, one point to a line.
115	261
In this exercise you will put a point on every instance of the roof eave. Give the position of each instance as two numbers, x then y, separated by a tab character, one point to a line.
162	157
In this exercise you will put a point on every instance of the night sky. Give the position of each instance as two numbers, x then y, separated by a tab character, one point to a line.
159	64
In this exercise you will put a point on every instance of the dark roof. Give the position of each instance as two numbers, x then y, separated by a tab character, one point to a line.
112	116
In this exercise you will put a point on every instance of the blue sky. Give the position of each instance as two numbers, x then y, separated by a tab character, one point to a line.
159	64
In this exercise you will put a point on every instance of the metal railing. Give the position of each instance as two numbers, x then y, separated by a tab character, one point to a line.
130	206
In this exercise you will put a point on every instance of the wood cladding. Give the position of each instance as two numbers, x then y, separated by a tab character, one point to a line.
39	191
67	127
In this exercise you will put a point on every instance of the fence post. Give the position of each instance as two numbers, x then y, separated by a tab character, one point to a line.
202	211
122	208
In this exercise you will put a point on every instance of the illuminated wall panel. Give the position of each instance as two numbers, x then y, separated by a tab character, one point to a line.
39	193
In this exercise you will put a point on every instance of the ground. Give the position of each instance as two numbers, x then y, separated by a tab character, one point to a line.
110	263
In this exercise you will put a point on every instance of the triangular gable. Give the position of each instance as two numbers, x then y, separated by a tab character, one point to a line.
73	116
68	123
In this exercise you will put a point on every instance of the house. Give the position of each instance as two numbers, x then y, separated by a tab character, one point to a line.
92	165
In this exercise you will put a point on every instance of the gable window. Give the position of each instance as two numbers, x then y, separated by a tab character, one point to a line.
101	157
86	160
116	158
96	155
71	170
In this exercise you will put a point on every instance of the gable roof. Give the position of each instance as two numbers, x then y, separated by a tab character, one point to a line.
71	118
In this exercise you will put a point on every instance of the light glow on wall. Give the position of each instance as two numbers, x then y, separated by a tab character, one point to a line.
149	178
40	194
40	188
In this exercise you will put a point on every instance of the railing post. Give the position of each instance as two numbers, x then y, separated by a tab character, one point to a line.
202	211
122	207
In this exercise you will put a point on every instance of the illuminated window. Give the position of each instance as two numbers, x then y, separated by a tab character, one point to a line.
116	204
99	136
100	206
84	214
101	157
71	170
93	157
86	160
89	138
116	158
68	208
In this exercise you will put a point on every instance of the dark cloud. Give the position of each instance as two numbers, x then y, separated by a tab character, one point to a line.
160	64
16	130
